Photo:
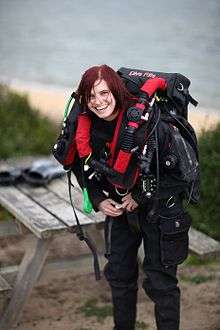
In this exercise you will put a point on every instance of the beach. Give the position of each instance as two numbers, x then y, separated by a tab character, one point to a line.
51	103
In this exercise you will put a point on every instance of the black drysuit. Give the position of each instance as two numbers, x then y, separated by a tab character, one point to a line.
164	235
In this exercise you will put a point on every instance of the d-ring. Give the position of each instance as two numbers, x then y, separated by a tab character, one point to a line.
121	194
180	87
170	202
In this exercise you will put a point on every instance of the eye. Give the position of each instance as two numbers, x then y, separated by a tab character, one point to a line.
92	97
104	93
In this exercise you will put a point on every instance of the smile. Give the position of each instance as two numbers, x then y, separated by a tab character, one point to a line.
101	109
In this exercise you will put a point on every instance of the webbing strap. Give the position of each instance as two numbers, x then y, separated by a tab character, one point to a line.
115	137
81	235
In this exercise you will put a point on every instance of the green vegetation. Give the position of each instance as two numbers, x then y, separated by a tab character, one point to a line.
207	214
141	325
4	215
197	278
90	309
194	260
22	130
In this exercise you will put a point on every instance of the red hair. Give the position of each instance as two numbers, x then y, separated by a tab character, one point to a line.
114	82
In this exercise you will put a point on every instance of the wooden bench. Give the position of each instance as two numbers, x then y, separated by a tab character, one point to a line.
39	210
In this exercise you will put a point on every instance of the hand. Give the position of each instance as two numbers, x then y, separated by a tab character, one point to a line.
108	208
129	203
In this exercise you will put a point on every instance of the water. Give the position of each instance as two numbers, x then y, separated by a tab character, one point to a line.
52	42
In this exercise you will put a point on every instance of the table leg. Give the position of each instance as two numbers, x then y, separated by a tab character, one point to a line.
29	271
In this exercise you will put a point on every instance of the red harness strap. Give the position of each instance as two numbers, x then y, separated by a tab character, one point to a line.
115	137
149	87
152	85
82	137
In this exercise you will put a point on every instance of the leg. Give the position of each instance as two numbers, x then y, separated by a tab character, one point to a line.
29	271
161	282
121	272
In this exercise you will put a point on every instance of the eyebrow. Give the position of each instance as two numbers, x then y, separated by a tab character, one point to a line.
103	90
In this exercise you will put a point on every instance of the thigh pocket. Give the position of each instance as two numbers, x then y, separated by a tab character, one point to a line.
174	239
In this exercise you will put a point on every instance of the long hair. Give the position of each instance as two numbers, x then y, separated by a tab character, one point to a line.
114	82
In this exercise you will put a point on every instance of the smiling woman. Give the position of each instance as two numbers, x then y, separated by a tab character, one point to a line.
102	101
120	147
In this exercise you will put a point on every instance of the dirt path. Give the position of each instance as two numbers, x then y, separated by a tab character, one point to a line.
68	302
79	303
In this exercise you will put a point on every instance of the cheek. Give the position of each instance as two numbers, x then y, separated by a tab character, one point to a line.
113	103
89	105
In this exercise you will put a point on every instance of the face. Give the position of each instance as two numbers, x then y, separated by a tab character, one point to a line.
102	102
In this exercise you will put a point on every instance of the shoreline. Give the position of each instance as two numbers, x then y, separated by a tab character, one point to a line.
51	103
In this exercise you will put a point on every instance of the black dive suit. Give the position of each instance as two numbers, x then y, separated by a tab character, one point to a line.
165	240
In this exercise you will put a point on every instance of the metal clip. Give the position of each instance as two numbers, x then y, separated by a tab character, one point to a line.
170	202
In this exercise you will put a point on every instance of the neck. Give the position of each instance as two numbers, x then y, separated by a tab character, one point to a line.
113	116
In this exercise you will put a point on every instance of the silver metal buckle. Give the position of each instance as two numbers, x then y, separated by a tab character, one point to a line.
121	194
170	202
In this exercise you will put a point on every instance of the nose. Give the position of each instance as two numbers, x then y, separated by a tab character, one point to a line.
98	100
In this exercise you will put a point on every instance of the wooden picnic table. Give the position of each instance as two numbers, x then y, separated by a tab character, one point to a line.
39	210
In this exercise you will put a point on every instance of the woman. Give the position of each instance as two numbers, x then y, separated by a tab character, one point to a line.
105	100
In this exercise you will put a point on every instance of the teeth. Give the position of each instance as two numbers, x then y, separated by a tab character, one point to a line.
101	109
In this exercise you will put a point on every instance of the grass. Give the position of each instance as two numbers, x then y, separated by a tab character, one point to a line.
206	215
197	278
23	131
141	325
91	309
5	215
194	260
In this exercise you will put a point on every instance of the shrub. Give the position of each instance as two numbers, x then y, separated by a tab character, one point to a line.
207	214
23	131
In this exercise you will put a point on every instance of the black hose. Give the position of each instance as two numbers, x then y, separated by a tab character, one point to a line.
80	234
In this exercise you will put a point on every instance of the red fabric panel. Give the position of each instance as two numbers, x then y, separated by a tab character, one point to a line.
83	136
151	85
115	137
122	161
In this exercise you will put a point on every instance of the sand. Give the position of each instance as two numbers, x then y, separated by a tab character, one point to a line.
59	300
51	103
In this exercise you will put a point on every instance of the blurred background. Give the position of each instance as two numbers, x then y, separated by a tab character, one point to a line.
52	42
45	46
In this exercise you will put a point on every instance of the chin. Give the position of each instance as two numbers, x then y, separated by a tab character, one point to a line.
104	115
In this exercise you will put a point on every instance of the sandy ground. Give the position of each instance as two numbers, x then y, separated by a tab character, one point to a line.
51	103
67	301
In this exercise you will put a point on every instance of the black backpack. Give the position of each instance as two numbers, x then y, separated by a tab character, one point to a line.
173	105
